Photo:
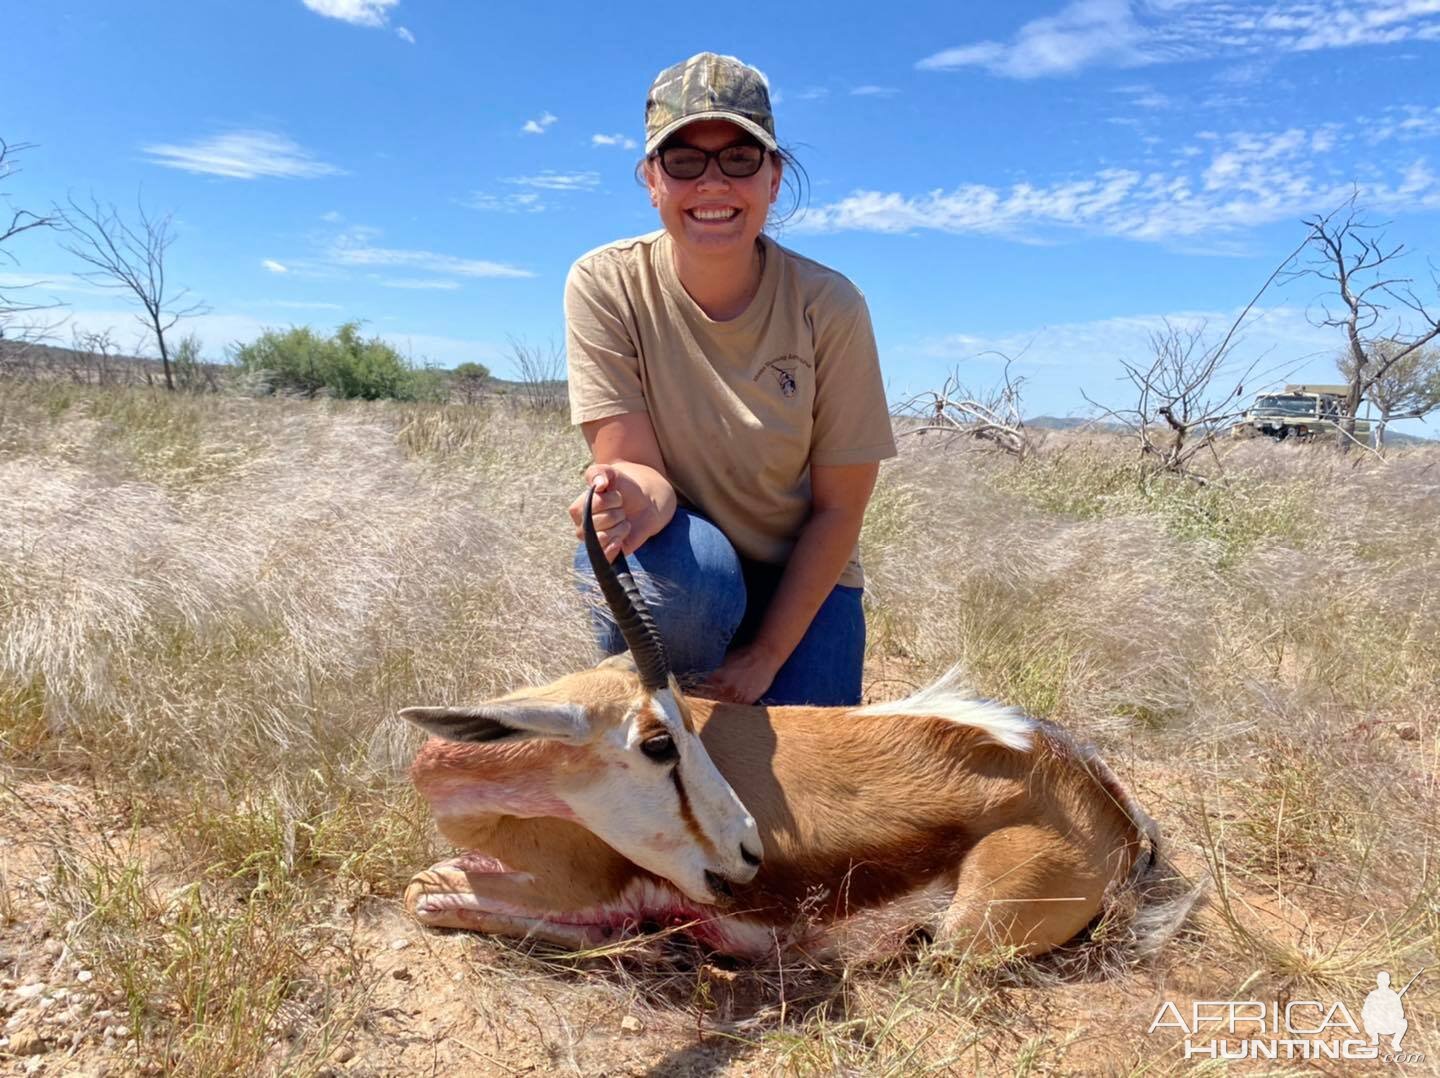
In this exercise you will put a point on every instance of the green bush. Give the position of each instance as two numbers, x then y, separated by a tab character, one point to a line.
344	365
477	371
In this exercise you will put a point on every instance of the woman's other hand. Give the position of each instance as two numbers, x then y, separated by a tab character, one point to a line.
744	676
632	503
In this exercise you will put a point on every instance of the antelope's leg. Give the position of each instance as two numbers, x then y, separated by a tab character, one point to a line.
1025	887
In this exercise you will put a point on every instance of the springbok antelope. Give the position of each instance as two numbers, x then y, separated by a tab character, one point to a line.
608	803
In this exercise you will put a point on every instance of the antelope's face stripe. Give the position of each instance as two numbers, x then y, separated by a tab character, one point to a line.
653	794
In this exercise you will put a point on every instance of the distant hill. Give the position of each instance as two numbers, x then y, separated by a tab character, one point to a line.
1054	422
1051	422
21	357
25	358
122	369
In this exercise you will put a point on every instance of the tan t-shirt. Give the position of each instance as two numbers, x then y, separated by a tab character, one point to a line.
740	408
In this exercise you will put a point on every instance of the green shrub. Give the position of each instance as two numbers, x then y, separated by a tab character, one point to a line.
478	371
344	365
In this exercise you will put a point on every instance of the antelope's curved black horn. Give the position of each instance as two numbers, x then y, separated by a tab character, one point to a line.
636	623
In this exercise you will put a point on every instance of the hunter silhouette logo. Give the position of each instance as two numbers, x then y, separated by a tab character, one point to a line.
1296	1029
783	369
1383	1013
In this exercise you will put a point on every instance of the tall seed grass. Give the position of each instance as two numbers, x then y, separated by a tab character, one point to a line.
220	603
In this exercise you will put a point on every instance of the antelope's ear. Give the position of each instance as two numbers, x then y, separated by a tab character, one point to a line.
624	661
502	722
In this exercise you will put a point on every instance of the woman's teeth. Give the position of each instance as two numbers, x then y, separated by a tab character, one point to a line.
714	215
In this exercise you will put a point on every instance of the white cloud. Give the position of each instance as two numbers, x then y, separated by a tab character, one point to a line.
550	180
353	248
1406	123
531	201
1237	182
275	267
1379	22
242	155
419	283
59	282
300	305
1128	336
1135	33
526	202
1085	32
614	140
1144	97
537	127
404	34
356	12
334	217
874	91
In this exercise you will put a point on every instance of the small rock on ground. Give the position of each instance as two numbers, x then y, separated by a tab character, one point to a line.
28	1042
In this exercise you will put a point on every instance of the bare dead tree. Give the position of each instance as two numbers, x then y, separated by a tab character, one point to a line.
1179	410
989	415
1190	391
542	375
1363	298
95	359
22	321
130	258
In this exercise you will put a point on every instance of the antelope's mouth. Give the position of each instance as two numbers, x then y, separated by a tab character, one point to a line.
451	884
481	864
479	892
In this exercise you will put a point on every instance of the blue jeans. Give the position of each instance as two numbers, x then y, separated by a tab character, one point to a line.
706	599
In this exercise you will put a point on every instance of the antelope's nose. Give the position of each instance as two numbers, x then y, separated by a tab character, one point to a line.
751	859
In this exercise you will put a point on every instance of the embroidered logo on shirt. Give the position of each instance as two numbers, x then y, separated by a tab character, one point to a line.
782	369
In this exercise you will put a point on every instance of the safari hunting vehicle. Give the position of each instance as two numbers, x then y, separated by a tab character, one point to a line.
1302	411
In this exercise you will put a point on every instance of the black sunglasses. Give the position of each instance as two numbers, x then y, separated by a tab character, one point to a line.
688	162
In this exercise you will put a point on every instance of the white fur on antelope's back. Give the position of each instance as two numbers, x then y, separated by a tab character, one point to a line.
950	699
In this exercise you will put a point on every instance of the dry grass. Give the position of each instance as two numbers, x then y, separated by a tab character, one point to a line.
211	608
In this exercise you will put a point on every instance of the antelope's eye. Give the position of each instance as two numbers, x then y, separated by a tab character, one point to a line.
660	748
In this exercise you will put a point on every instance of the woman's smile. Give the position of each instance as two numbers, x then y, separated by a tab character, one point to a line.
713	213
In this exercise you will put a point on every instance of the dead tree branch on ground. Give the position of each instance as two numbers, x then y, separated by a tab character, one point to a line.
992	415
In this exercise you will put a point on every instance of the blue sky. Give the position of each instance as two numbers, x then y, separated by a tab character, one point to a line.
1044	178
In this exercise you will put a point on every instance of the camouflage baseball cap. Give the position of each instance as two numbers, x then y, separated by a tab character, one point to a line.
708	87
